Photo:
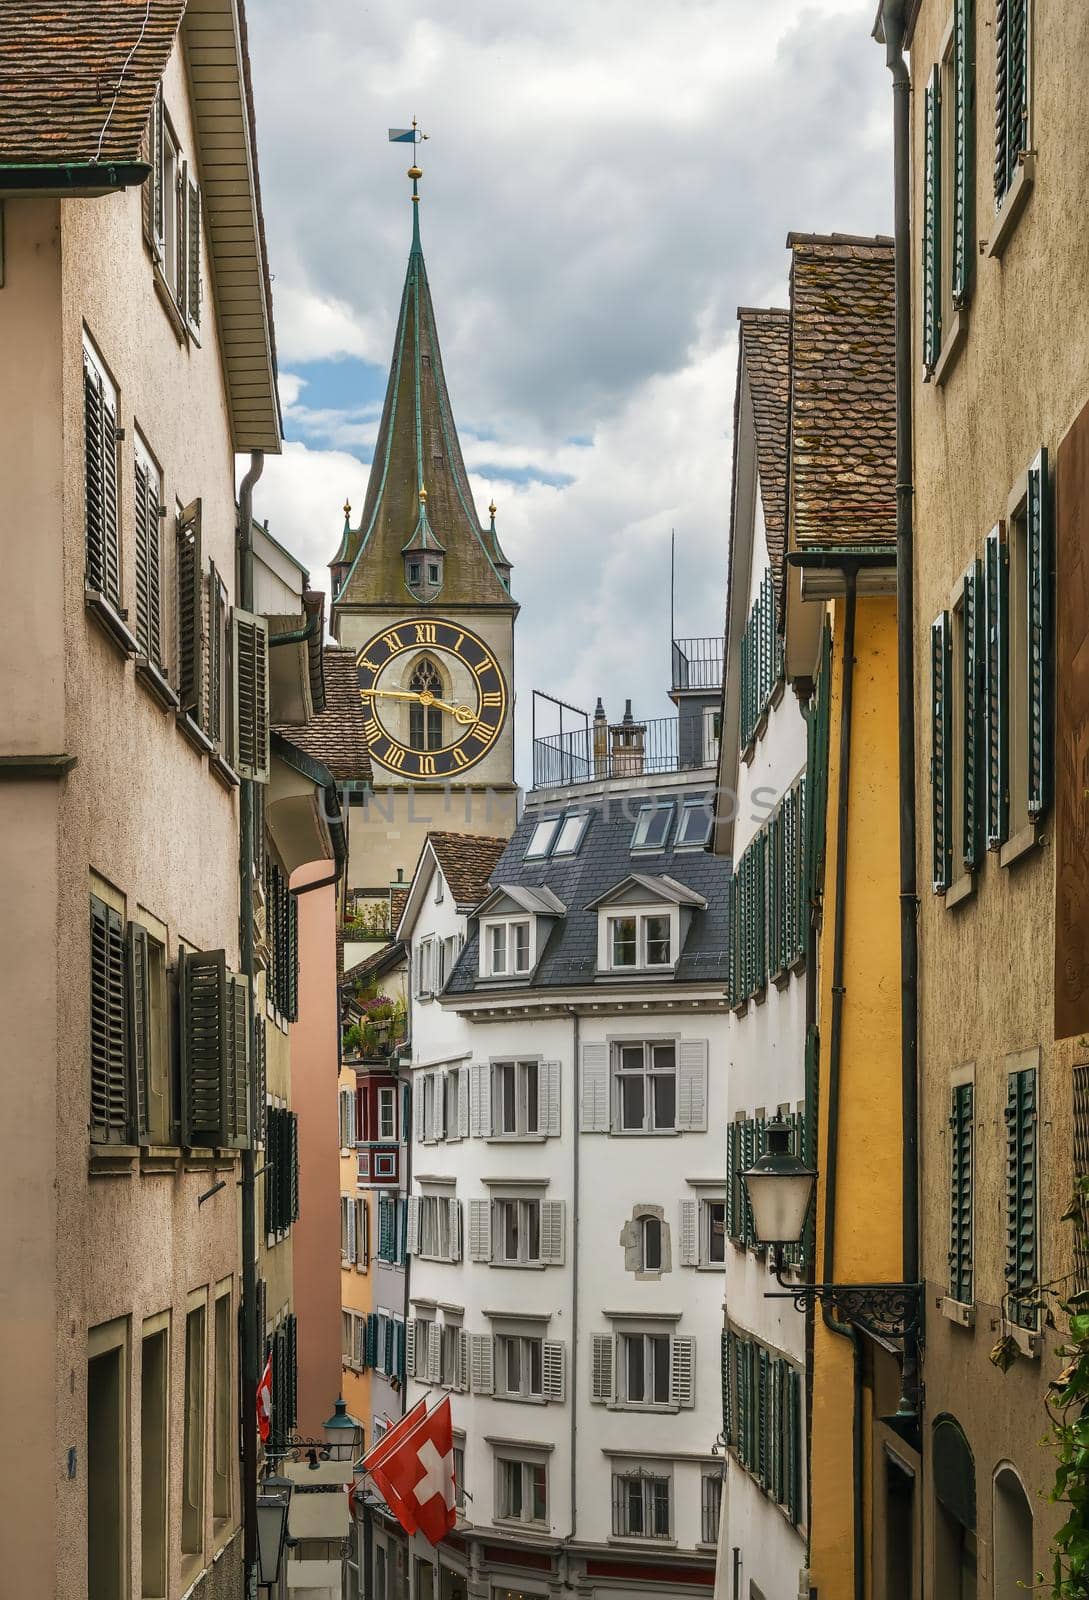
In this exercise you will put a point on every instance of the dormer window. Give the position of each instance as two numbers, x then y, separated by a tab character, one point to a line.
652	826
506	948
694	828
639	940
557	836
541	838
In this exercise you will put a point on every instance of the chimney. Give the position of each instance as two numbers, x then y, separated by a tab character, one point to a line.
628	745
600	740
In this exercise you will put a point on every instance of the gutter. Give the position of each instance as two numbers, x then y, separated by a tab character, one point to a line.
45	177
320	776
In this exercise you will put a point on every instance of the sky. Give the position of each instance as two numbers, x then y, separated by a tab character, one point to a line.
604	184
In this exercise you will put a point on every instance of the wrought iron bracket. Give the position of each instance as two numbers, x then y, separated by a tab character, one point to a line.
886	1310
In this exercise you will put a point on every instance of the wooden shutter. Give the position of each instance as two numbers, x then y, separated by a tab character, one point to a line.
434	1353
250	660
181	236
816	775
960	1195
410	1347
438	1105
483	1364
238	1061
794	1423
761	1462
217	649
962	241
594	1097
689	1232
192	262
973	757
553	1232
550	1092
151	196
759	911
1040	635
399	1337
932	223
139	1029
748	1157
204	1046
293	1127
190	607
461	1362
350	1218
732	984
260	1083
110	1109
941	752
480	1100
1021	1196
480	1230
682	1371
362	1235
554	1367
463	1122
291	1009
372	1339
601	1368
996	686
727	1358
733	1165
412	1232
103	553
692	1085
148	566
1011	91
454	1213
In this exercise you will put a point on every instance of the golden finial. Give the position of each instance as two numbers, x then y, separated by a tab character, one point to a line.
492	509
415	172
423	495
347	509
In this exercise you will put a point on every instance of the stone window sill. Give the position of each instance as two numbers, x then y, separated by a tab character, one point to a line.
1021	844
963	889
112	622
957	1311
1012	206
154	681
194	733
113	1160
1029	1342
156	1159
955	341
632	1542
223	770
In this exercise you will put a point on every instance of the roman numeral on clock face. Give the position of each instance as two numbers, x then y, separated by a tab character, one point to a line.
392	640
425	633
393	757
492	698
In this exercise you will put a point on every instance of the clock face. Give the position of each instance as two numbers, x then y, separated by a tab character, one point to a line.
435	698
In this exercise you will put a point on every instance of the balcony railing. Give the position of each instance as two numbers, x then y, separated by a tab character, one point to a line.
697	663
652	746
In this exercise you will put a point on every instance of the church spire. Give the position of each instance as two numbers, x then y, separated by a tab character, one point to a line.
418	497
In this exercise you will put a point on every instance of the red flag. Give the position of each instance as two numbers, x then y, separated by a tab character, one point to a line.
417	1477
264	1402
381	1449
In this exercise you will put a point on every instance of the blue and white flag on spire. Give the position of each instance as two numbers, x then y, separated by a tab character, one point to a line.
405	136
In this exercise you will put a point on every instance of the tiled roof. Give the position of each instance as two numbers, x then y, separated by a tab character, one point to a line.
77	77
765	348
379	961
398	899
605	859
335	736
467	861
842	392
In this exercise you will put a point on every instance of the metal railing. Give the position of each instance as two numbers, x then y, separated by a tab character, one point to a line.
622	752
697	663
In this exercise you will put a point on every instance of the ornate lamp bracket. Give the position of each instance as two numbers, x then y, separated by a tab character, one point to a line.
886	1310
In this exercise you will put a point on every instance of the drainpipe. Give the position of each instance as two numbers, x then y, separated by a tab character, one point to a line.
892	21
835	1052
575	1160
250	1331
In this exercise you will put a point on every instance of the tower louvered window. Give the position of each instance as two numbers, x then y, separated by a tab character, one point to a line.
1011	110
960	1199
103	547
941	752
1021	1214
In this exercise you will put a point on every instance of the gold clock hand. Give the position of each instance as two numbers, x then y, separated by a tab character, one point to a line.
390	694
461	714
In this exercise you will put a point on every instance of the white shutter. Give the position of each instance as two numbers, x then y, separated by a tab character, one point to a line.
601	1368
351	1230
419	1132
434	1353
692	1085
555	1370
682	1371
412	1242
461	1362
552	1232
480	1101
343	1119
483	1373
438	1101
480	1230
551	1100
410	1348
454	1211
690	1239
594	1109
463	1102
362	1237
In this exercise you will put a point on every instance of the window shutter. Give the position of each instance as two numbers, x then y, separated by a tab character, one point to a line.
964	99
139	1029
932	223
733	1217
362	1236
399	1350
454	1211
960	1198
1021	1196
775	891
410	1347
762	1415
1039	635
461	1362
293	1124
551	1071
594	1098
419	1104
794	1423
250	695
103	570
260	1084
816	780
180	199
971	844
996	686
682	1371
371	1355
760	878
438	1104
434	1353
480	1117
747	1137
238	1061
110	1107
554	1366
217	622
151	195
190	609
692	1085
733	994
941	751
1011	91
204	1045
553	1232
743	1351
601	1368
192	265
349	1206
345	1101
690	1253
148	576
727	1360
483	1365
480	1230
463	1102
385	1228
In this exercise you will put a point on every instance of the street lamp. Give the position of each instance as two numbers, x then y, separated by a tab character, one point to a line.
780	1190
272	1508
343	1434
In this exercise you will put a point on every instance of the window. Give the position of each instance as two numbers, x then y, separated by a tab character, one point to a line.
223	1410
762	1418
712	1233
437	1217
450	1345
392	1229
541	837
522	1491
424	958
644	1368
507	948
641	1505
432	572
640	1367
172	218
960	1194
650	1244
570	835
154	1454
1013	106
148	542
111	1114
1021	1211
694	828
103	546
645	1086
189	610
414	572
517	1230
652	826
1013	1564
107	1463
710	1506
281	1171
219	726
459	1473
519	1367
282	1347
387	1114
192	1516
425	721
516	1099
948	186
639	940
511	1231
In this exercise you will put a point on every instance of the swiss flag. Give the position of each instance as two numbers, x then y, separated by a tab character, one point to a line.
264	1402
417	1476
382	1447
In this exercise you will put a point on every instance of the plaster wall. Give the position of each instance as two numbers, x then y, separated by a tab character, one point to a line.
356	1288
389	828
986	966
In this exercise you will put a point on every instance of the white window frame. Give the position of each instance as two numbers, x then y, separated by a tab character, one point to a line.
710	1502
545	829
640	915
692	808
529	1461
425	966
706	1226
647	1477
650	1071
643	823
525	1343
387	1094
524	1204
509	967
624	1401
573	823
520	1066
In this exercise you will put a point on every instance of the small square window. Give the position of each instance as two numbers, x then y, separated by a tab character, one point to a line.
541	838
414	572
432	572
570	835
652	826
694	828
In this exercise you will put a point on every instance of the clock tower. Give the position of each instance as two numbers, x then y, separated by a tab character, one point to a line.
421	598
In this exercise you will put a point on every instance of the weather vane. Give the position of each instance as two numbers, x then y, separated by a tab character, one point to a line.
411	136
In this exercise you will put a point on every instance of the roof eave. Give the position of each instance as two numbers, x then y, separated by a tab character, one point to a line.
70	180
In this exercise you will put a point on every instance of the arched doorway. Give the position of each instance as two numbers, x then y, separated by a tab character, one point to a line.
1012	1536
953	1482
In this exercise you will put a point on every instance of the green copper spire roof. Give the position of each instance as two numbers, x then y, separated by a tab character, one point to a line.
418	496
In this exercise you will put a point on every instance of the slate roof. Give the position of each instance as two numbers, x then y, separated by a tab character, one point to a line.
765	348
467	860
335	736
77	77
605	859
842	392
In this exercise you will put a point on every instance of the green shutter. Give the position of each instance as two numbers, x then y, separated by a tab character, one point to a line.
110	1110
204	1047
190	608
260	1082
1021	1197
775	893
372	1339
761	1462
732	980
103	552
1039	558
385	1228
293	1126
962	243
1011	91
932	224
748	1156
733	1219
760	880
960	1198
250	676
291	959
139	1028
238	1061
793	1424
816	768
744	1401
973	650
996	686
291	1328
941	752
